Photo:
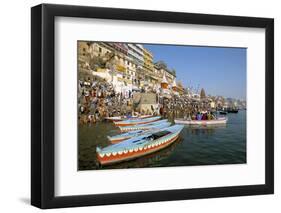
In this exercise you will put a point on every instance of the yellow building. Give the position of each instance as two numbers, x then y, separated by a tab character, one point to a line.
148	67
148	59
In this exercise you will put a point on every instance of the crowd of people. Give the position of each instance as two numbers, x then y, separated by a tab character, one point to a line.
97	99
188	108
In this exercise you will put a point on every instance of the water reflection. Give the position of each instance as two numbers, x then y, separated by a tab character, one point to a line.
198	130
197	145
147	160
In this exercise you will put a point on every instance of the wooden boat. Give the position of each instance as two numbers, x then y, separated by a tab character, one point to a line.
232	110
138	146
220	120
142	126
135	133
130	122
122	118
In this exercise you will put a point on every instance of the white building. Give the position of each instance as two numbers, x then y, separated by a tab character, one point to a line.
135	51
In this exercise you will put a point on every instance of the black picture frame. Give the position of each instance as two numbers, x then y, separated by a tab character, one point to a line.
43	102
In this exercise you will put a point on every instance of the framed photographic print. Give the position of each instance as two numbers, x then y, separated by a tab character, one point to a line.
139	106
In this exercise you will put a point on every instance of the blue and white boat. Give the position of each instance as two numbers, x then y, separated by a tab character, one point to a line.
130	122
142	126
122	118
135	133
138	146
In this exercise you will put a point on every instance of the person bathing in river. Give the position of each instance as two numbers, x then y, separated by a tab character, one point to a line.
204	116
209	116
199	116
193	117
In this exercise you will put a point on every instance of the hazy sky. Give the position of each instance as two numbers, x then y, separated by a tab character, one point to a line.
220	71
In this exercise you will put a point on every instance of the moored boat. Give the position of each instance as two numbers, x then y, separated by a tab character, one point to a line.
122	118
138	146
135	133
142	126
223	112
220	120
232	110
130	122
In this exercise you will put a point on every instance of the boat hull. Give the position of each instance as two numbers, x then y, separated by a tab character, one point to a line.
137	122
232	111
113	118
202	122
135	127
118	138
135	153
119	118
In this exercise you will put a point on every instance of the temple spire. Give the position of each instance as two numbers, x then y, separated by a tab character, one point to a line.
164	83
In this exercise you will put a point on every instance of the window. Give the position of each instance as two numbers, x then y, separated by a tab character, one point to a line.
100	49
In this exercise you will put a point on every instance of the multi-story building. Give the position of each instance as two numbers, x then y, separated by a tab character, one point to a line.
136	57
135	62
148	69
83	48
116	67
131	70
160	68
126	66
99	49
83	54
148	60
135	53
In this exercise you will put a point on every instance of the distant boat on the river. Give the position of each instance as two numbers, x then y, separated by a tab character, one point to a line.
130	122
135	133
138	146
220	120
232	110
146	126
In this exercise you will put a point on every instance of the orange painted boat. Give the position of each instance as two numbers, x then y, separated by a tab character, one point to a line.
138	146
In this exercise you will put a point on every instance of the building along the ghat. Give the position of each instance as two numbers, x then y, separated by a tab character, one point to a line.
128	67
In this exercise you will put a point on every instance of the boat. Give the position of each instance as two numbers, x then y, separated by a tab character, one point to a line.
122	118
138	146
135	133
220	120
223	112
130	122
142	126
232	110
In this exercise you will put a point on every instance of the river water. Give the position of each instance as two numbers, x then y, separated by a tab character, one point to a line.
224	144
